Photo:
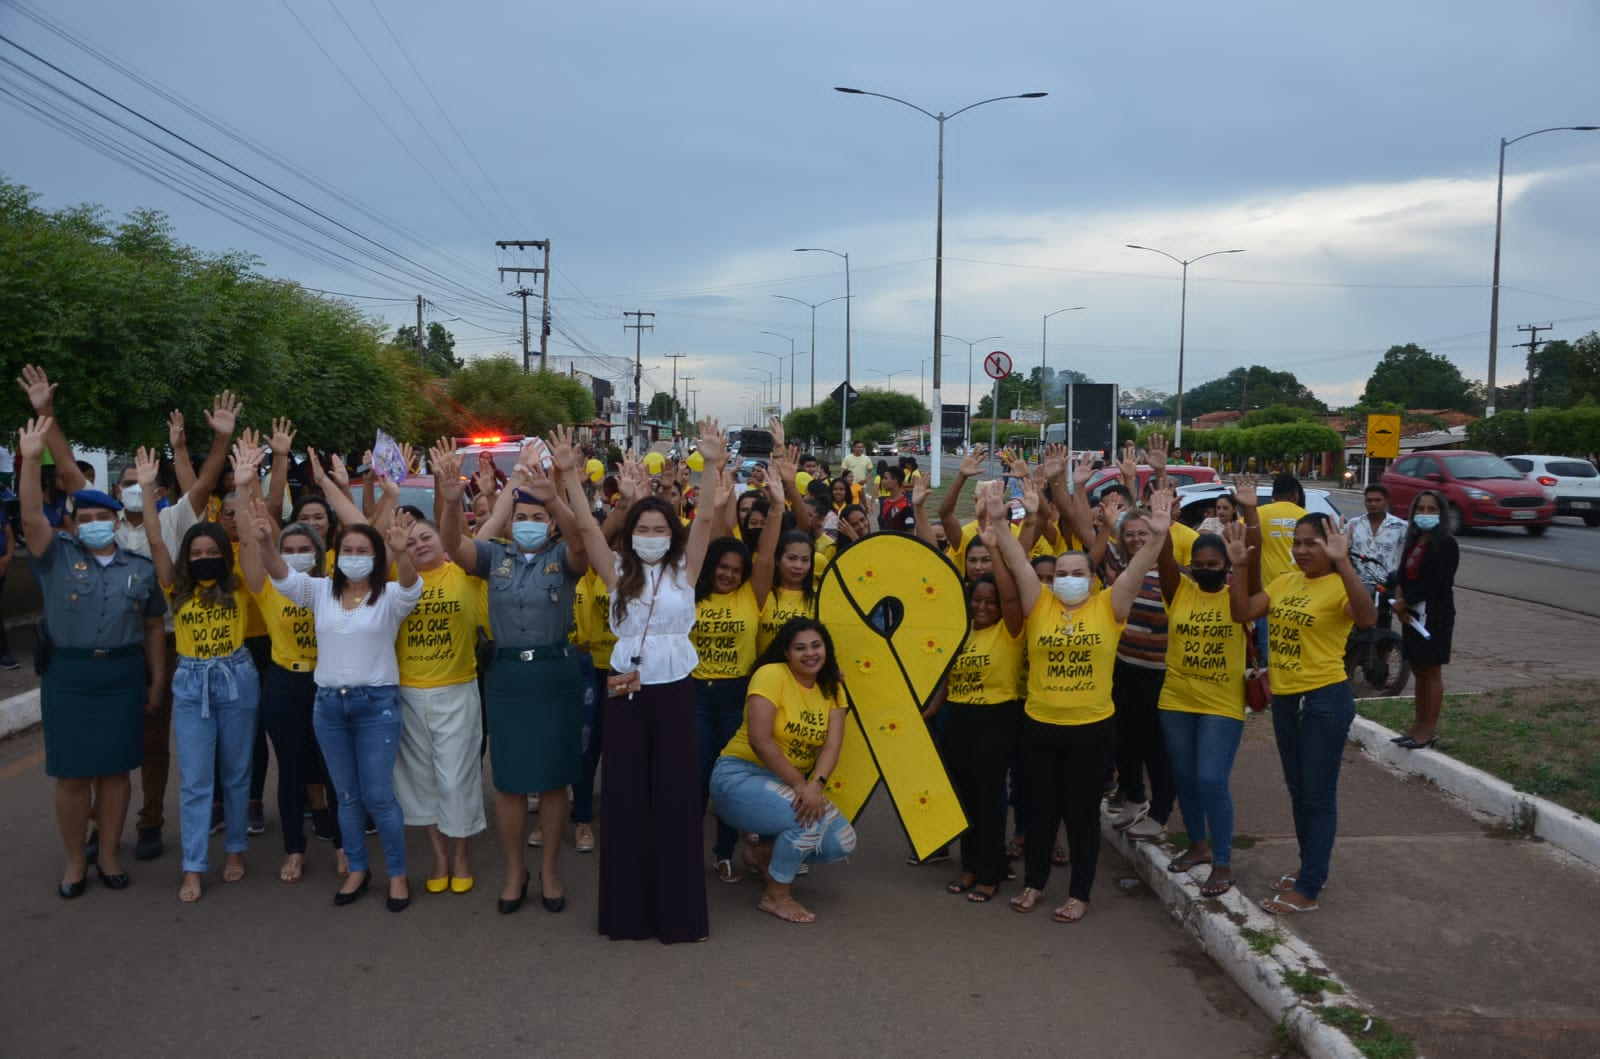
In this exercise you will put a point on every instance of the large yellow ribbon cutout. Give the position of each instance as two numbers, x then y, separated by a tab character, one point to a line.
898	617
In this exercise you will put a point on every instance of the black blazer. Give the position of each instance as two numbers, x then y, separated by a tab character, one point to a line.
1436	576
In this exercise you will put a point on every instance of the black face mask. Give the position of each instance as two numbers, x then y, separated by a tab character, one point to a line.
213	569
1209	580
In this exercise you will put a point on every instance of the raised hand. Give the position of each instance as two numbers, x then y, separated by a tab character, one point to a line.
1155	453
539	485
1338	543
147	465
1160	518
564	451
177	437
30	439
972	462
40	390
1082	471
224	413
776	427
1129	466
246	460
257	522
919	490
1030	497
1244	490
319	474
1053	461
1233	536
713	442
398	538
446	463
408	454
487	482
283	433
339	472
991	501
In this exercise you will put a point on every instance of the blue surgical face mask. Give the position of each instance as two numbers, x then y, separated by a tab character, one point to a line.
530	535
96	535
356	567
1426	522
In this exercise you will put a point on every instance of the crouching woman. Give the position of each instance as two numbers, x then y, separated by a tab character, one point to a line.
772	774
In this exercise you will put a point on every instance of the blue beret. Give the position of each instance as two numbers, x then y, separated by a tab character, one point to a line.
94	498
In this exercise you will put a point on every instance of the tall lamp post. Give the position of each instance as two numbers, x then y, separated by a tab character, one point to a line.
844	411
938	238
1494	295
1183	310
969	345
786	338
777	396
1044	356
766	390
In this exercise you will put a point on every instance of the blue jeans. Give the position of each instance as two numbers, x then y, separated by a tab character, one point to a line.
1311	730
359	731
752	799
718	713
594	693
214	707
1200	748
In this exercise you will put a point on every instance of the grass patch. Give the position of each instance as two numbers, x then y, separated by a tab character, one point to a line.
1381	1041
1545	741
1245	841
1308	985
1262	942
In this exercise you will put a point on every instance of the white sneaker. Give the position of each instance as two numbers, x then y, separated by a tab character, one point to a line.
1130	813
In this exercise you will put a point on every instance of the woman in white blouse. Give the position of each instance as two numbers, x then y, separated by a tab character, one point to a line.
357	714
652	883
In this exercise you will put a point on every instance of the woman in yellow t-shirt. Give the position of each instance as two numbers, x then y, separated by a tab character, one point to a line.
1202	704
1067	731
771	777
730	595
591	603
1309	612
215	691
981	699
439	775
794	595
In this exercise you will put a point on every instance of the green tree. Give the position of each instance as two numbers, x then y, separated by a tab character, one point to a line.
1586	369
439	358
663	409
1278	413
898	410
1014	393
1412	377
495	394
1246	388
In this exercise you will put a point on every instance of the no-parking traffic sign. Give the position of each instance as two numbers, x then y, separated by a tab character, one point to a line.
997	365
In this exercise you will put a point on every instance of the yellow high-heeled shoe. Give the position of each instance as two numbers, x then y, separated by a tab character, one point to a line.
439	885
461	884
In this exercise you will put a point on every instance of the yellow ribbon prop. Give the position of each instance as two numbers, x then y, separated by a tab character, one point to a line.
898	617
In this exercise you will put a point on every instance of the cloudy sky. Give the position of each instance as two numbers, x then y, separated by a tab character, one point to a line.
676	154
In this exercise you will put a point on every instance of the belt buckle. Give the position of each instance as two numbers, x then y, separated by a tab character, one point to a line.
101	652
528	655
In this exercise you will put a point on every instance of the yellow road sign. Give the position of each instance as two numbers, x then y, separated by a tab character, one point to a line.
1383	437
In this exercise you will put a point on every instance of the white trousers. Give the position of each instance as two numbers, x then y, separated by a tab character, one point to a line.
439	775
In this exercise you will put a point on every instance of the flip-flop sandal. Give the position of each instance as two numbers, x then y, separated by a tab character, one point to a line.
956	886
980	897
1216	889
1283	883
1027	900
1279	907
1071	912
1014	850
1178	865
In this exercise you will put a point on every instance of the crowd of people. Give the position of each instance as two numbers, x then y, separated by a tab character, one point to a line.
659	629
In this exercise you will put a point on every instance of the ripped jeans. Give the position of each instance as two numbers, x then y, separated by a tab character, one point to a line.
753	800
359	730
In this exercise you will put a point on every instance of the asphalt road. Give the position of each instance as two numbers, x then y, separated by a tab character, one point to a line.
893	966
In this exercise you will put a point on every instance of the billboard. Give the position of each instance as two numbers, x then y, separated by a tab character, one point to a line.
1091	418
953	425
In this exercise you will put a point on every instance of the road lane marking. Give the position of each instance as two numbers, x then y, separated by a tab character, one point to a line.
1521	556
6	772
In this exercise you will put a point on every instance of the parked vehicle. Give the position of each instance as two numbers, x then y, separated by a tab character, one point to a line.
1481	488
1573	483
1179	475
1204	493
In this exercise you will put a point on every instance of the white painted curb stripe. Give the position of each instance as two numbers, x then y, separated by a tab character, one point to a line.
19	713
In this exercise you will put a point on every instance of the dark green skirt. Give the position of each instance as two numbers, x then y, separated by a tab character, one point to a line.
93	712
535	718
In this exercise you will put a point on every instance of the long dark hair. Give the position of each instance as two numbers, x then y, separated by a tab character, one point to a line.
808	589
1436	535
296	513
630	583
846	542
184	587
1211	542
716	551
380	561
778	652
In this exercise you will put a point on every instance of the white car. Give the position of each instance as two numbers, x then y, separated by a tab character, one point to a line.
1573	483
1204	493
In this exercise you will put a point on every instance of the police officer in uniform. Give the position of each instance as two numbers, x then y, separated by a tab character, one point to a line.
106	650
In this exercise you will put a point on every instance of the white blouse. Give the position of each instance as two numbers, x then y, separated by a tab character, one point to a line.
663	651
355	648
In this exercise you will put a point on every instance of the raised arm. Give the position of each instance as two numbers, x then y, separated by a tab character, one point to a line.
601	558
1167	567
255	523
919	508
178	439
247	480
1011	611
148	466
335	486
1010	549
1362	607
398	540
764	568
1155	454
700	532
1245	499
31	441
545	488
1246	604
971	467
282	444
446	463
222	418
1029	533
1126	588
42	396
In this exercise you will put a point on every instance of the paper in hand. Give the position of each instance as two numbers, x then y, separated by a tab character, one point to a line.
386	458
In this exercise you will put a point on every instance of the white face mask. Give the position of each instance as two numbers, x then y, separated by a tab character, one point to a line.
301	562
356	567
1070	590
651	550
133	498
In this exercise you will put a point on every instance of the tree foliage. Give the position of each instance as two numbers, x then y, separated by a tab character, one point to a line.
881	410
1559	431
132	323
1411	377
438	349
494	394
1246	388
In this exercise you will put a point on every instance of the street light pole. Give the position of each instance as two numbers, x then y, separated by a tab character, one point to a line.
938	237
844	414
814	306
1494	295
1183	311
777	357
1044	351
775	334
970	406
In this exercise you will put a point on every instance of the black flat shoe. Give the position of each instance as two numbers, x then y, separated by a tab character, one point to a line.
119	881
149	846
340	898
397	904
553	904
1409	743
68	891
508	907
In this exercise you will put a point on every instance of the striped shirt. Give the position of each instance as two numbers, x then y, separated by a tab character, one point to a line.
1144	640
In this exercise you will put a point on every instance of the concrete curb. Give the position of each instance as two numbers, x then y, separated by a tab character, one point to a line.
19	713
1528	813
1219	924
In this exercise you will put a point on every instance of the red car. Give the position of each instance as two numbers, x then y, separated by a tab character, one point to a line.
1177	473
1482	490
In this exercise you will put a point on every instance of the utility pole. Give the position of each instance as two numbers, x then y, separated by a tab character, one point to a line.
638	327
418	342
694	404
1532	346
687	379
525	294
672	410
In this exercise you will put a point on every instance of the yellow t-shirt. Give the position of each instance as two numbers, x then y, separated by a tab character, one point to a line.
293	632
969	533
988	671
724	634
1070	658
591	610
1306	632
1205	654
1277	538
437	643
1183	538
782	605
799	719
209	632
253	624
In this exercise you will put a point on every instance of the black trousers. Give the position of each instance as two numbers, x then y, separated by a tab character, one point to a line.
1064	767
287	701
1141	746
978	744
